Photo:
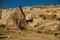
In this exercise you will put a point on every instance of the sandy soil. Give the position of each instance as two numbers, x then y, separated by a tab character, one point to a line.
29	35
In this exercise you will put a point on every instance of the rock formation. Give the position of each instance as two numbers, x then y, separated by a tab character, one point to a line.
44	18
13	18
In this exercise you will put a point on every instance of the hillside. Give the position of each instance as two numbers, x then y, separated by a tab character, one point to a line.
31	23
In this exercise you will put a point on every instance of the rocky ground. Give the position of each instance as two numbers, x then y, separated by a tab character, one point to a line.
29	35
30	23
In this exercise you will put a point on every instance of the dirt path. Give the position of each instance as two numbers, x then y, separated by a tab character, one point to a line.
29	35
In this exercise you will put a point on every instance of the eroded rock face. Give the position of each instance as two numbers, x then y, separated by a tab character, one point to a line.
13	18
38	18
16	19
43	19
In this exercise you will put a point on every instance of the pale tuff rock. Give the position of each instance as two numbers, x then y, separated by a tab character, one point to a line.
43	19
51	28
29	17
58	14
6	14
15	19
12	18
40	18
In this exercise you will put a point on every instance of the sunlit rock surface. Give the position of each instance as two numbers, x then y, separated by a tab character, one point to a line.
43	18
